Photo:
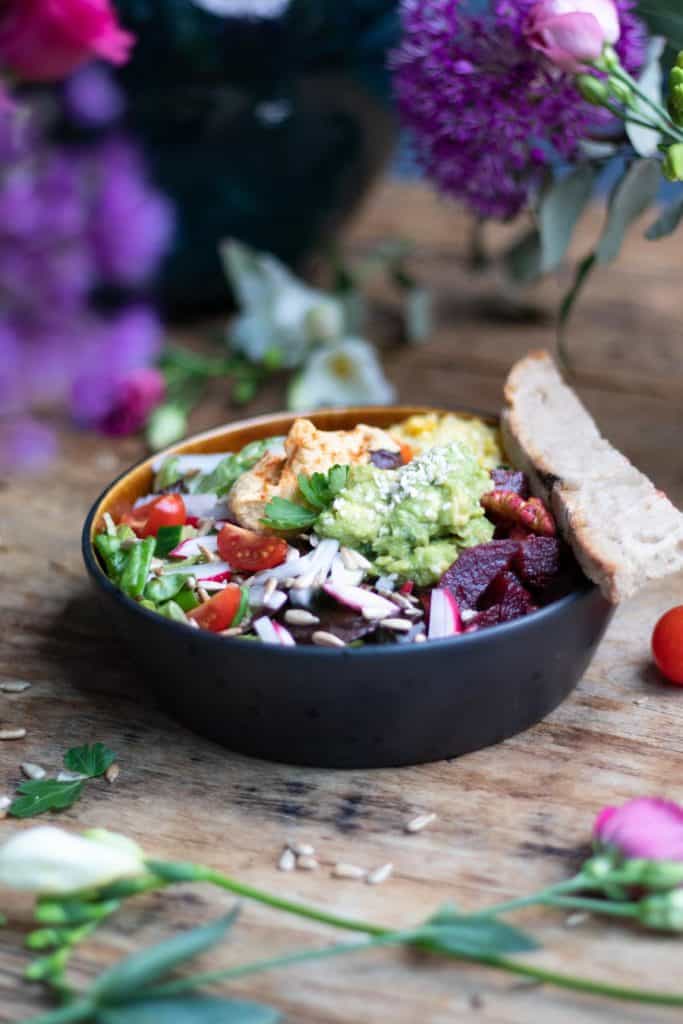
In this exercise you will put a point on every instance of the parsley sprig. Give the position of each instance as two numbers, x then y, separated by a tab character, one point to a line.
318	491
39	795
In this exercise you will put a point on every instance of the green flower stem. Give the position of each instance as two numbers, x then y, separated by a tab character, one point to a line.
203	366
629	118
545	896
665	121
605	907
82	1010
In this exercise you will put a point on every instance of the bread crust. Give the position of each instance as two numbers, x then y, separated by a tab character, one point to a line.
623	531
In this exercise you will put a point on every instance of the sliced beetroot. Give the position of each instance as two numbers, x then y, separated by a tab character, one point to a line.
511	480
508	595
383	459
489	617
476	568
538	561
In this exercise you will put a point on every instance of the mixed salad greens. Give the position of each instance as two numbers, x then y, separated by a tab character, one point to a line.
426	537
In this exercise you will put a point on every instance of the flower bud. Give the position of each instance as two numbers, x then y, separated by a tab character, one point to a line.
650	874
673	162
663	911
73	911
48	966
676	95
621	91
46	938
166	424
572	33
593	89
679	59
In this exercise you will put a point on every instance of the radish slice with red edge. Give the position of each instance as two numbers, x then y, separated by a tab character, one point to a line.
273	633
216	571
360	599
444	615
284	636
189	547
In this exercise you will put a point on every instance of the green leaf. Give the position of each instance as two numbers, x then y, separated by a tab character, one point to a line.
522	261
221	479
168	474
562	203
337	479
450	932
582	273
631	196
40	795
128	977
189	1010
667	222
281	514
315	490
645	141
665	18
89	760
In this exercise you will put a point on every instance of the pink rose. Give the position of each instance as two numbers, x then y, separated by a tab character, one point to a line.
647	828
572	33
45	40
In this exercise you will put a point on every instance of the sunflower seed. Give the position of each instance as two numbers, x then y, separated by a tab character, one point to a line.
420	638
323	639
305	581
399	599
5	803
287	861
380	874
110	525
14	686
208	555
202	595
373	614
300	617
212	586
204	527
270	588
302	849
12	734
467	615
418	823
342	870
289	582
65	776
33	771
399	625
574	920
413	613
233	631
112	773
307	863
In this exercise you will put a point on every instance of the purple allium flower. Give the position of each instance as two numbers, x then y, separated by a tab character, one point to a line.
26	446
486	111
92	97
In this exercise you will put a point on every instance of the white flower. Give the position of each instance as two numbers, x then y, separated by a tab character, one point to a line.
346	373
277	310
50	861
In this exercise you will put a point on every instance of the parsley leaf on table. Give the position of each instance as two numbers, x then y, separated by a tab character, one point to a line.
40	795
89	760
318	491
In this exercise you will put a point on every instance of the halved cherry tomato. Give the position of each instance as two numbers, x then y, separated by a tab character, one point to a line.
407	453
145	520
249	551
667	645
219	611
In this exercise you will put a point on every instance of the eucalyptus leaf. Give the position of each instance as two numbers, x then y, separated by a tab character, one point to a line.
189	1010
523	260
667	222
449	932
664	17
631	196
130	976
561	205
645	141
91	760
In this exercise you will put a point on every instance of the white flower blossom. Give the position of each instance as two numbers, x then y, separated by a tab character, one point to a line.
49	861
345	373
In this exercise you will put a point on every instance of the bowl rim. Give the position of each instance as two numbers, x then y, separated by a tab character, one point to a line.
468	640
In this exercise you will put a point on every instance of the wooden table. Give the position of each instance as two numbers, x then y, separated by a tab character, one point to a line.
509	819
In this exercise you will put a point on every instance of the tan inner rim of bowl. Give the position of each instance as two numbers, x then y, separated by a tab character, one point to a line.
232	436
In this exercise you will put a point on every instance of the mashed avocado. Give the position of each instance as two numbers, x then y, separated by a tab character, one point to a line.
413	521
431	429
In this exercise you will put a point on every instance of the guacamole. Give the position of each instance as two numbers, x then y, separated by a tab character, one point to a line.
413	521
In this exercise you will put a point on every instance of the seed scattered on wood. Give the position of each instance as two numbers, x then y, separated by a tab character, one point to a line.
420	822
302	849
373	614
380	874
574	920
307	863
342	870
323	639
300	617
270	588
33	771
202	595
14	686
112	773
208	555
287	861
398	625
65	776
5	803
12	734
640	700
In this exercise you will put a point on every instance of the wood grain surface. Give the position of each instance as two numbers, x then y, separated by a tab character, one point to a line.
509	819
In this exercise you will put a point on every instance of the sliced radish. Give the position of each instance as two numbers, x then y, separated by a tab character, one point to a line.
323	557
217	571
190	547
360	599
275	601
273	633
341	576
444	615
284	636
205	506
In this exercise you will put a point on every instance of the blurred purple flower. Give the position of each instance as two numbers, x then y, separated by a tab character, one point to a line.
92	98
26	446
485	110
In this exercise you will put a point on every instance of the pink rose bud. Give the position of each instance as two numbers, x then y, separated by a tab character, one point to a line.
45	40
647	828
136	396
572	33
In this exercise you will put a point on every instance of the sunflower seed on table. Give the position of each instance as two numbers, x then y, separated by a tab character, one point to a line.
12	733
302	849
307	864
321	638
399	625
112	773
33	771
380	874
574	920
300	617
287	861
420	822
65	776
14	686
342	870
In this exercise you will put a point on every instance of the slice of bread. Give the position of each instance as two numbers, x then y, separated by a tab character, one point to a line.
624	532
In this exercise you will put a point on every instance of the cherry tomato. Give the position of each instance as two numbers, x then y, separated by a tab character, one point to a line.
145	520
407	453
667	645
249	551
219	611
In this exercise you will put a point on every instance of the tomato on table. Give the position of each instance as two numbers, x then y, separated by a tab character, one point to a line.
667	645
248	551
219	611
145	520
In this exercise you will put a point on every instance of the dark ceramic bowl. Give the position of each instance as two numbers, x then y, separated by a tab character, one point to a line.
369	707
